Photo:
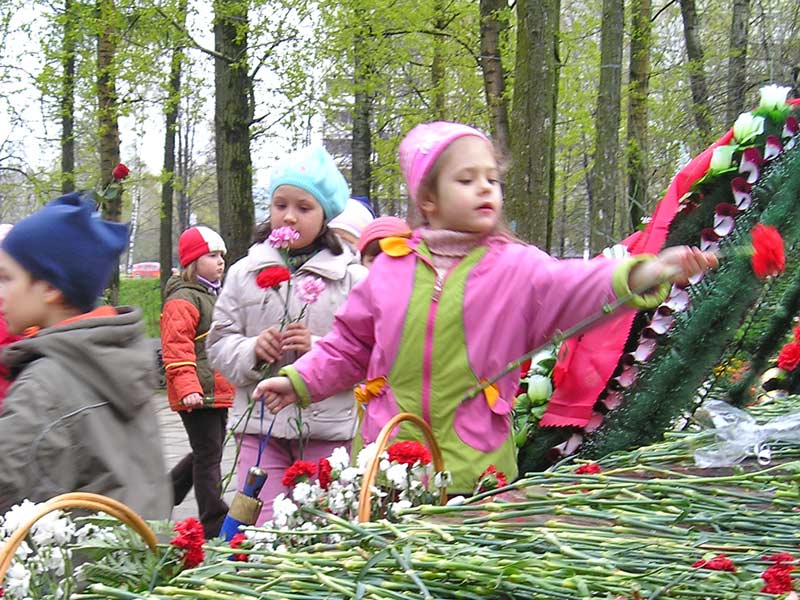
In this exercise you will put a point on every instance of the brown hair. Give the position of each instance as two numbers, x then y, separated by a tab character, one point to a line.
371	249
428	187
189	273
326	237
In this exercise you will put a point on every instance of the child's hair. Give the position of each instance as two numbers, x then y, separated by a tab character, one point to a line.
326	237
371	249
189	274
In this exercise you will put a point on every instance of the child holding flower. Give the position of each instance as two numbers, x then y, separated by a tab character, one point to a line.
275	303
448	308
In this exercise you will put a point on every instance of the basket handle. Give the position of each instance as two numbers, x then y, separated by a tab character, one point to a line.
364	498
93	502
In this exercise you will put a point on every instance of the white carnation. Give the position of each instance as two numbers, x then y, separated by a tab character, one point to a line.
349	474
303	493
339	459
398	475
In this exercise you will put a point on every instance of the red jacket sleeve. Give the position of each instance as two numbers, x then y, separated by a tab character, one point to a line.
179	321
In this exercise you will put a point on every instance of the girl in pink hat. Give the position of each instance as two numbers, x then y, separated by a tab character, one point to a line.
380	229
450	306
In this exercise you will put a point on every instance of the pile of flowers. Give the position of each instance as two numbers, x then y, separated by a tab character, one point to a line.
64	554
405	478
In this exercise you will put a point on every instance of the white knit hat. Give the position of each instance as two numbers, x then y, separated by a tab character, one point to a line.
353	219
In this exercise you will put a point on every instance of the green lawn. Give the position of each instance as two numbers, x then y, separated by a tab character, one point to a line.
145	294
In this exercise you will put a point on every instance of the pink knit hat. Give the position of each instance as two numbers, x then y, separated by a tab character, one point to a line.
423	145
383	227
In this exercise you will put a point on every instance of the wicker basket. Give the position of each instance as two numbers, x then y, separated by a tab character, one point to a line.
93	502
364	498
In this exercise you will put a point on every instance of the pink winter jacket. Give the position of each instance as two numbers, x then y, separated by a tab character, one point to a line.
516	298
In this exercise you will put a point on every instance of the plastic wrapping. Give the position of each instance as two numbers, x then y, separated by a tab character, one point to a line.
738	435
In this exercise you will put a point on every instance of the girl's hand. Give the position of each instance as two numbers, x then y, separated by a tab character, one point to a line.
193	400
676	265
268	345
277	393
297	337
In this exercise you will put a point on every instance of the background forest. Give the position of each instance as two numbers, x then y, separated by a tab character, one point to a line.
594	104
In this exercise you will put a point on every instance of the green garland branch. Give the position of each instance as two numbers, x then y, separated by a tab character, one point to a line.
667	384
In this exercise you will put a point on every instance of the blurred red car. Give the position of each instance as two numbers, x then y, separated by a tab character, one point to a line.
146	270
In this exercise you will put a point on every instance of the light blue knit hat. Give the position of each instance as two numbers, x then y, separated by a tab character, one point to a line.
312	169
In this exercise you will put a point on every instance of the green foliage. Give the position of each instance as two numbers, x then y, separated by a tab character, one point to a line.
146	294
394	45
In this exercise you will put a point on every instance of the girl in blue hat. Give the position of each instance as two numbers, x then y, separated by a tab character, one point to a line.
255	328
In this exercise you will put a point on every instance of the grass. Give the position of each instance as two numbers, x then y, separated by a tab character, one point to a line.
145	294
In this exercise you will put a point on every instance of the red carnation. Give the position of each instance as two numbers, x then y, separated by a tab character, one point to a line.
789	356
777	579
190	538
768	256
780	557
796	332
272	277
409	453
120	172
324	473
588	469
719	563
236	541
301	470
490	479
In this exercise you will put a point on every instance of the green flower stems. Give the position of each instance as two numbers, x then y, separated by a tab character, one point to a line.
633	530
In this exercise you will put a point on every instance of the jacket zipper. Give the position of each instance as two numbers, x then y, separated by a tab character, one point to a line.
427	355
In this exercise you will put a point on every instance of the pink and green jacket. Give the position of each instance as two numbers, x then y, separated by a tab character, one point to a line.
420	340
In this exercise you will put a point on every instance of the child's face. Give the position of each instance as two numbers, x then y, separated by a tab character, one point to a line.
296	208
25	301
211	266
467	196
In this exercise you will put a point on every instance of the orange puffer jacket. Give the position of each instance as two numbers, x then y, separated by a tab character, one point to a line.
185	321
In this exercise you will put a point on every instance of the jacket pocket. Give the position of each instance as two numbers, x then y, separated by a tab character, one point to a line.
377	413
482	425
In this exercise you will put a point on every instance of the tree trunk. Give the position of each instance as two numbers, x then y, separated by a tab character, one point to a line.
737	63
183	169
168	177
607	122
697	76
232	117
493	25
108	126
361	151
641	41
67	101
533	114
438	64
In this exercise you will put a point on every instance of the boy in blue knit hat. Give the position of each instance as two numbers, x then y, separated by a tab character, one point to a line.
78	416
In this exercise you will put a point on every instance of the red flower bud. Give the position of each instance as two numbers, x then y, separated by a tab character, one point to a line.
768	255
120	172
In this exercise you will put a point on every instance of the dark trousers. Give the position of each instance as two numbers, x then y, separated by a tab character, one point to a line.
201	467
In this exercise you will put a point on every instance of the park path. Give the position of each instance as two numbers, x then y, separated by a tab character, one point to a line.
176	446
